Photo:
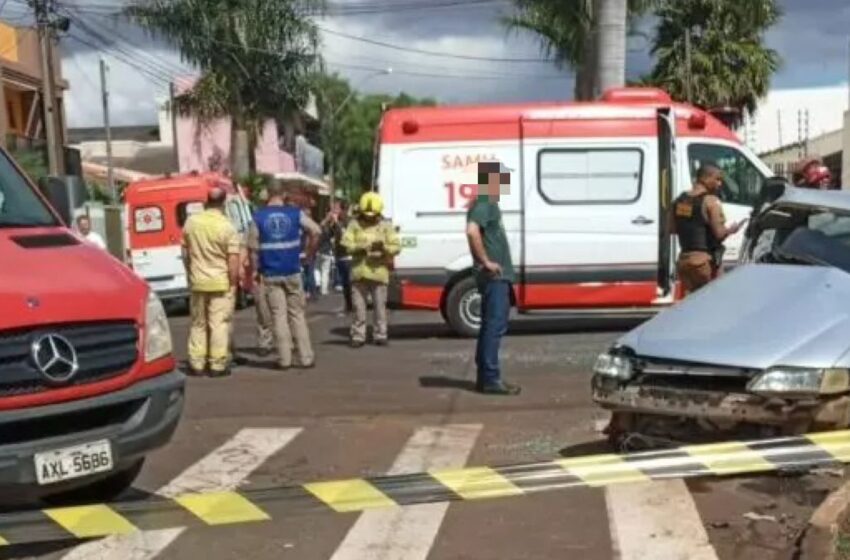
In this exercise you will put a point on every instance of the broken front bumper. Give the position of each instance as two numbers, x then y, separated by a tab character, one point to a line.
722	407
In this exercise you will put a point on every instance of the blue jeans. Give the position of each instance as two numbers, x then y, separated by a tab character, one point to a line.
495	309
309	277
343	269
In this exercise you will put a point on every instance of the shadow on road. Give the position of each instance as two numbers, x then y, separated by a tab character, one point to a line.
442	382
523	327
587	448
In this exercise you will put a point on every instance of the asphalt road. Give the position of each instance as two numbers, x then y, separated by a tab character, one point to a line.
410	407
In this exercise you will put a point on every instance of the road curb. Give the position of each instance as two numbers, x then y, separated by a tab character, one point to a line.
819	541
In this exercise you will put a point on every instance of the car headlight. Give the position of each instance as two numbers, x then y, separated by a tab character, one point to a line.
801	381
613	365
157	331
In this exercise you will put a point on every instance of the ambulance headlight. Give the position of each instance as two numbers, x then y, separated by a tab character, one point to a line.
801	381
157	332
614	366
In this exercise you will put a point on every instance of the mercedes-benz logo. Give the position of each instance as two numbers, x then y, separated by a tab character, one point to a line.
55	357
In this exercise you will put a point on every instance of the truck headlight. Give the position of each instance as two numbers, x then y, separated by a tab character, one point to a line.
157	331
801	381
613	365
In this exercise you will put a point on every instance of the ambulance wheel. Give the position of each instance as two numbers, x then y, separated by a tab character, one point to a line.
463	308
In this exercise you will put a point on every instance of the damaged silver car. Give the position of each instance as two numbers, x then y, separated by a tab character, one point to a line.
764	350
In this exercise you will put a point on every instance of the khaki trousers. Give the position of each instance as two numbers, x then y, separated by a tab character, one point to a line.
265	336
209	336
695	270
360	290
287	305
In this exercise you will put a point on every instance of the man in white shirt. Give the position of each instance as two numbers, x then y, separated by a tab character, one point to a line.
84	227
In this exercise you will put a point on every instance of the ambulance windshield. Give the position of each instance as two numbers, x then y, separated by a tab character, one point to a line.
20	206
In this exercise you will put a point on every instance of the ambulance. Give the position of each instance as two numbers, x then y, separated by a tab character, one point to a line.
155	212
586	212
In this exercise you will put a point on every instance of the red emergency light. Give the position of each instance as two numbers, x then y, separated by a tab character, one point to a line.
410	127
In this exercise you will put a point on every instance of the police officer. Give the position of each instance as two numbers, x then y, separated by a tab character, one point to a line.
212	257
698	221
275	243
372	243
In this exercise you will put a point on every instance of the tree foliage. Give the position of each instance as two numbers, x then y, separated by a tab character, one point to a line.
730	64
565	30
349	137
256	56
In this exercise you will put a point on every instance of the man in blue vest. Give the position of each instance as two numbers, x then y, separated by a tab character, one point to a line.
275	243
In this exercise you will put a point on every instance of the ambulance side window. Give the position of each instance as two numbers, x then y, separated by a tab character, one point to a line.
590	176
148	219
186	209
742	181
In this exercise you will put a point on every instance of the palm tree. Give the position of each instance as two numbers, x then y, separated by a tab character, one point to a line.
256	59
611	43
729	64
565	29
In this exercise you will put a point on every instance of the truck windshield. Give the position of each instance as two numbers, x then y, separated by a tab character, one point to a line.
19	204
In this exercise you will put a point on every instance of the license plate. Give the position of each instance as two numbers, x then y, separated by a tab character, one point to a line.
73	462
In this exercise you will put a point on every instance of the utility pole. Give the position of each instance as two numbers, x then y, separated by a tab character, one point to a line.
611	44
104	88
688	67
48	82
172	112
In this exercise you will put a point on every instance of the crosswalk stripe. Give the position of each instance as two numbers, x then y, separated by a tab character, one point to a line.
223	469
409	533
657	520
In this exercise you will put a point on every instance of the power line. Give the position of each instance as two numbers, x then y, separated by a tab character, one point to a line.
427	52
442	75
158	79
154	67
129	48
465	71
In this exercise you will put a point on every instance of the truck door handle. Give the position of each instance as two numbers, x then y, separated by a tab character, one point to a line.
642	221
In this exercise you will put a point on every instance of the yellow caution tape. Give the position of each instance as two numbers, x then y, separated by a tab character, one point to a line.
473	483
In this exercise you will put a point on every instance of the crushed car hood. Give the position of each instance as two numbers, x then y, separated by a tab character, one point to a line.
758	316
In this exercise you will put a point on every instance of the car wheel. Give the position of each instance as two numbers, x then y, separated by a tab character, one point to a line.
463	308
104	490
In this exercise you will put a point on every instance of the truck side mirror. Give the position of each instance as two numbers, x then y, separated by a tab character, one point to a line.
65	194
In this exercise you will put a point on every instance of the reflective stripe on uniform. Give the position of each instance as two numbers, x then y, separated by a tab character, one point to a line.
283	245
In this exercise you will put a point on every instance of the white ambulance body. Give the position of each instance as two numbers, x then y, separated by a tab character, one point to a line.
584	215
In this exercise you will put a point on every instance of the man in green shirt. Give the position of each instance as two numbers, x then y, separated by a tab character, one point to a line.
494	272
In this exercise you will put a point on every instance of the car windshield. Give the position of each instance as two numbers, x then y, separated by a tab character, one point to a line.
821	237
20	206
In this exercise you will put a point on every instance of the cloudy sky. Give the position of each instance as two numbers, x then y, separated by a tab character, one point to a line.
812	39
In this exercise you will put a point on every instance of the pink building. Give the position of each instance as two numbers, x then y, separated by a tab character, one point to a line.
207	147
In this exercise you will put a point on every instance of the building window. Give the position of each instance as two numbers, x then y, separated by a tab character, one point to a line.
594	176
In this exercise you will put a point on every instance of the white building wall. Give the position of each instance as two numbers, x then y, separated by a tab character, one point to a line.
781	110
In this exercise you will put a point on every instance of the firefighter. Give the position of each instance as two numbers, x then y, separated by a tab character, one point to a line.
804	174
212	256
698	221
372	243
275	242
